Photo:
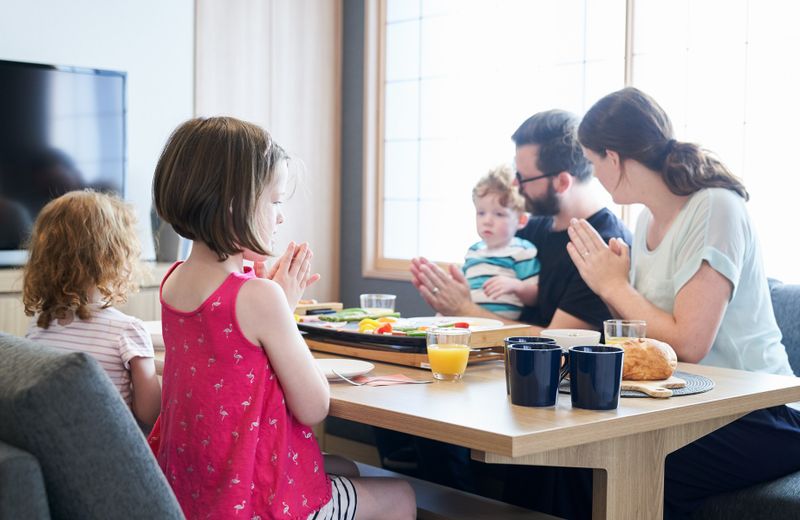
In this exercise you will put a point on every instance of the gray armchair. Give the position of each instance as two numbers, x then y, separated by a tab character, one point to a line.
69	447
779	498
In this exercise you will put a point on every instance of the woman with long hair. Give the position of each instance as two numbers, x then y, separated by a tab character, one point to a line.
695	273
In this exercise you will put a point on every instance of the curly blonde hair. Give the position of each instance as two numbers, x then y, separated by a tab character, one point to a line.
80	241
500	181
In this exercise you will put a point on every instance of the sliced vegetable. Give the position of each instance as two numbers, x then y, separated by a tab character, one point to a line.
369	321
356	314
461	325
386	328
368	327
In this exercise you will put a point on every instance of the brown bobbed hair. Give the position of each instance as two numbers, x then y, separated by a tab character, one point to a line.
208	181
632	124
500	181
80	241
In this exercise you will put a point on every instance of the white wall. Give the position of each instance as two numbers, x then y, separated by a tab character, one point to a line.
151	40
276	63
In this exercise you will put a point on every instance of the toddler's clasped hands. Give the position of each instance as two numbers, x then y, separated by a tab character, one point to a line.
292	271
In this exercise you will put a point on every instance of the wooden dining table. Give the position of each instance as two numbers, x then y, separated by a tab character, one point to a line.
626	447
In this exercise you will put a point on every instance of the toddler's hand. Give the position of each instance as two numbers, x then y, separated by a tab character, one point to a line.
292	272
497	286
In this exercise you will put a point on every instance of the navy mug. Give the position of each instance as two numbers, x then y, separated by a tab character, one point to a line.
522	339
595	375
535	372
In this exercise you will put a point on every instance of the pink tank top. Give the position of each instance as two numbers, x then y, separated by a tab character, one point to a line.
225	439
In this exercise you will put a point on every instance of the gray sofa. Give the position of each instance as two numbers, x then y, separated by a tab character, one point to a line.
69	447
779	498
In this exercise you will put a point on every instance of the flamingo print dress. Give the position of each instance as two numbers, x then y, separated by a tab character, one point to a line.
225	439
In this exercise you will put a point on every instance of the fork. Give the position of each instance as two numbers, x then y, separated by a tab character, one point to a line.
356	383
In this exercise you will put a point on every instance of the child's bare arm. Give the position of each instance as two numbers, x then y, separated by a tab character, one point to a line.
528	291
266	319
525	290
146	390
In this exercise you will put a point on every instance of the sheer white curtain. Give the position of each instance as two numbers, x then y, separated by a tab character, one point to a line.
277	63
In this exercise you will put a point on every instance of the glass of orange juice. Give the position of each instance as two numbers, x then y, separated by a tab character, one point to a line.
620	331
448	352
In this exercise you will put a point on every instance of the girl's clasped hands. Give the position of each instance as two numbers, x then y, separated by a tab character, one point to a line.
292	271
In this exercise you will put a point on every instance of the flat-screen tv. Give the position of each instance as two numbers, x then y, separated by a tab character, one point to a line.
61	129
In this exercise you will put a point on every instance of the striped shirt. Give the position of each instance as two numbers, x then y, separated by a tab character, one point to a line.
109	336
516	260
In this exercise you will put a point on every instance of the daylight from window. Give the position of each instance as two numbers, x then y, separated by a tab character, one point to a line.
460	76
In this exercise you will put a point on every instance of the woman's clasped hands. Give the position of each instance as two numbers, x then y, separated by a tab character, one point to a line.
292	271
604	267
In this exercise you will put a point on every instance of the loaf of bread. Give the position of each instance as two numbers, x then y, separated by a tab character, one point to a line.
648	359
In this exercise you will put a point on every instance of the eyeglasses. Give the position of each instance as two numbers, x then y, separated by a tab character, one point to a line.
521	180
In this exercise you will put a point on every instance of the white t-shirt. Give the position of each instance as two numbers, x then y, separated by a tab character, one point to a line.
109	336
714	226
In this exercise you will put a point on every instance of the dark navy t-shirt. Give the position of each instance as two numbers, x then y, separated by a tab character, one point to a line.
560	284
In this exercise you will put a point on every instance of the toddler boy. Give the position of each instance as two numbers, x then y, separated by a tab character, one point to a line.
502	269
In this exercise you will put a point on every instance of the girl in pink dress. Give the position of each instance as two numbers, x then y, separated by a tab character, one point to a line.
240	387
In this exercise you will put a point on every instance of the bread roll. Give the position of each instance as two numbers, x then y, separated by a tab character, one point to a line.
648	360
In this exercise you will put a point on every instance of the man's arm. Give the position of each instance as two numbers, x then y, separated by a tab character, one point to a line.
564	320
447	292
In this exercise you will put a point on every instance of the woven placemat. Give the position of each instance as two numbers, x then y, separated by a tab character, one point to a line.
694	385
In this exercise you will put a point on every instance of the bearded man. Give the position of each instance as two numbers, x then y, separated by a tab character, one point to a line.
555	179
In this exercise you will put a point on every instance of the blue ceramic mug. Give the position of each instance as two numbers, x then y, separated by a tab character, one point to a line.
595	375
522	339
535	372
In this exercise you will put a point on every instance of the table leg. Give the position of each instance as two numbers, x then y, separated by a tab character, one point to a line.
628	481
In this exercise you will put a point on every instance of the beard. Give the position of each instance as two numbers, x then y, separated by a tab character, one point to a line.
548	205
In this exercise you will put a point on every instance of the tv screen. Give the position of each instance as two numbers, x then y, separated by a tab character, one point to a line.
61	129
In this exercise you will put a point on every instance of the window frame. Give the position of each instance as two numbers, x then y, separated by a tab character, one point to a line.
373	263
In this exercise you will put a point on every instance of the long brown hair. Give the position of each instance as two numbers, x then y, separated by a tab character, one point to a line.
632	124
208	181
80	241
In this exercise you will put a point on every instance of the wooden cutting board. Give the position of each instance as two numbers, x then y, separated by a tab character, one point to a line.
659	389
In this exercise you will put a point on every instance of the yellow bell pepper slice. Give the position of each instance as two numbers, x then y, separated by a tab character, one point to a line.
369	321
368	327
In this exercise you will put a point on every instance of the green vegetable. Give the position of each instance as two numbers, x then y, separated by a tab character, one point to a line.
404	329
416	334
355	314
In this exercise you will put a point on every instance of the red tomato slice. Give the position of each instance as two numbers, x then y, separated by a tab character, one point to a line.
386	328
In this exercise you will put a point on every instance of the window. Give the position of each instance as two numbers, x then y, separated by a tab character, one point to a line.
449	81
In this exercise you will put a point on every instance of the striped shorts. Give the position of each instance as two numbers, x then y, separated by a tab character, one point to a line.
343	503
